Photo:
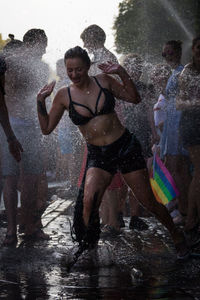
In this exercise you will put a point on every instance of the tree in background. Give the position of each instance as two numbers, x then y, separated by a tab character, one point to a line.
144	26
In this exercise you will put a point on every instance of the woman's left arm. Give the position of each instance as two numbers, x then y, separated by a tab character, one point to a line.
127	90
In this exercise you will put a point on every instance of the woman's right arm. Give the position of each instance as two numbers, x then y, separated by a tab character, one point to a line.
48	122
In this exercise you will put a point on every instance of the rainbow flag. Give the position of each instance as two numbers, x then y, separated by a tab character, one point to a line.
162	183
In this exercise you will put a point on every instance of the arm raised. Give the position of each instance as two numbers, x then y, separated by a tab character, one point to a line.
48	122
127	90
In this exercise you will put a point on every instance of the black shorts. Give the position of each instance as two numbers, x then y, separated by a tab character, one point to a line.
123	155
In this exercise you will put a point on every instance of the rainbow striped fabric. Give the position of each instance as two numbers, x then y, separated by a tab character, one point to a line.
162	183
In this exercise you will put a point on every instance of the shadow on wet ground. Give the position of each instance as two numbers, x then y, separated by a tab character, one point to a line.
135	265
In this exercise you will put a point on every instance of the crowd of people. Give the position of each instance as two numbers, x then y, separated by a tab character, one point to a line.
110	118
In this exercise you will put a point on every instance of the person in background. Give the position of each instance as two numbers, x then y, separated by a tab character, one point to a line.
159	77
137	121
14	145
25	74
35	43
188	103
94	38
172	151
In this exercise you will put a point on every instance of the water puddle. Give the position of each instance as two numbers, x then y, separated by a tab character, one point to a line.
132	266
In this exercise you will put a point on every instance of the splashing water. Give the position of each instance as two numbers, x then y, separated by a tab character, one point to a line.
172	11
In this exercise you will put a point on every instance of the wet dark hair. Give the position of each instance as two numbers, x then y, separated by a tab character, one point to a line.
35	35
195	40
94	33
78	52
12	45
176	44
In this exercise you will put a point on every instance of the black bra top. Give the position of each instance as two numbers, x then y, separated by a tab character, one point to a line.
108	106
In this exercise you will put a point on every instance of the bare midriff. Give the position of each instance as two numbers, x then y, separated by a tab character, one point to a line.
102	130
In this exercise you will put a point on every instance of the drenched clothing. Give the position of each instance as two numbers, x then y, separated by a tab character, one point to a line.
124	155
24	76
32	161
170	142
108	107
99	56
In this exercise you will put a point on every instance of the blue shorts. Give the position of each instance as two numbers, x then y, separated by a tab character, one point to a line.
171	144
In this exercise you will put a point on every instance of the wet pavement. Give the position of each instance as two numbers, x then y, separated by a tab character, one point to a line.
134	265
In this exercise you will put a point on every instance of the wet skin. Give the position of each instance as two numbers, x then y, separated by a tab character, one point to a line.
101	130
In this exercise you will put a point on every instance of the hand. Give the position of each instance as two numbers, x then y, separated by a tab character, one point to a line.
110	68
15	149
46	91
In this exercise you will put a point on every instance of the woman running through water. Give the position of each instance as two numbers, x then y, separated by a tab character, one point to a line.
90	102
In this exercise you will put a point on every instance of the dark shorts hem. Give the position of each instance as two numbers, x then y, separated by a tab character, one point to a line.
123	155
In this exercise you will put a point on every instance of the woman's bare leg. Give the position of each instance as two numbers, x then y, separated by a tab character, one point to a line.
96	182
140	185
112	199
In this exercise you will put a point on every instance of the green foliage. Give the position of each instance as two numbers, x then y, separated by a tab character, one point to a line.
143	26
